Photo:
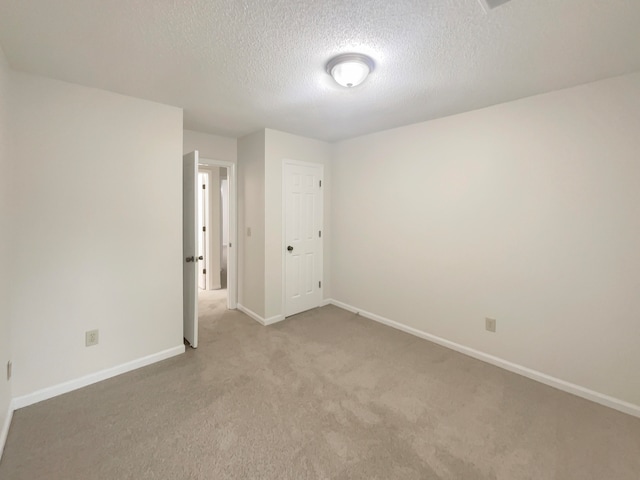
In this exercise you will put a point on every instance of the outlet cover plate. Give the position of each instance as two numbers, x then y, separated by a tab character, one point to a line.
91	338
490	324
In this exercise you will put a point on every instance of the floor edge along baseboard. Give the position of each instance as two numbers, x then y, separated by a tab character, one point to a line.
568	387
86	380
4	432
261	320
251	314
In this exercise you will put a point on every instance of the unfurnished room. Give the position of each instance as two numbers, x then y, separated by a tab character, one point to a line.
320	239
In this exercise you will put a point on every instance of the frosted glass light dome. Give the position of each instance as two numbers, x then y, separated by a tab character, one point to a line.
350	69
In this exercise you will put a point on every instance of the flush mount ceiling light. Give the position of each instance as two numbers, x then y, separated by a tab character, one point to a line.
350	69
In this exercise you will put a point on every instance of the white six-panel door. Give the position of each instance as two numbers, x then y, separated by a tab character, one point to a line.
303	236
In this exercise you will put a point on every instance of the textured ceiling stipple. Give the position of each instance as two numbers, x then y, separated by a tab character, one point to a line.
238	66
491	4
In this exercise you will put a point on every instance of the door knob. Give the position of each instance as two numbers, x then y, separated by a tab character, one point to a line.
190	259
200	257
290	248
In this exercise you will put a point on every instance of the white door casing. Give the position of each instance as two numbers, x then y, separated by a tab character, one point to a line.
302	218
190	248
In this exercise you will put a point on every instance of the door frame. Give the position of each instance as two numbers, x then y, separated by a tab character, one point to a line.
206	242
287	161
189	251
232	250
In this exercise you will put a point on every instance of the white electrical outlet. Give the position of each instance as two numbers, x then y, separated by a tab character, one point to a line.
91	338
490	324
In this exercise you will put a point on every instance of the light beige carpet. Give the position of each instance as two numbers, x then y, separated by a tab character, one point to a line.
322	395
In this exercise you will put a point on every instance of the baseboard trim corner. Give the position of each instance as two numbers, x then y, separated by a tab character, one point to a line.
4	433
250	313
274	319
65	387
261	320
583	392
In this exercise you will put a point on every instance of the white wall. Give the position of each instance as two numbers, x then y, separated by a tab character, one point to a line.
251	215
97	237
280	146
528	212
213	147
5	251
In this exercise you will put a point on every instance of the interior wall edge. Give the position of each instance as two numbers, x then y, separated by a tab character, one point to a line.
4	433
261	320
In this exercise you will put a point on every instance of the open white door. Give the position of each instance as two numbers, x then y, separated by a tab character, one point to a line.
190	247
303	236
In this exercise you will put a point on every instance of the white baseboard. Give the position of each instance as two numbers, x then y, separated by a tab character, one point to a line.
597	397
54	391
274	319
258	318
250	313
5	428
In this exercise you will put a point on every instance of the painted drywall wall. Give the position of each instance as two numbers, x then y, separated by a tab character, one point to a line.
280	146
5	236
251	222
526	212
98	231
213	147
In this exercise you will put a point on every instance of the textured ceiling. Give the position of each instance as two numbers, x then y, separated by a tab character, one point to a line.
238	66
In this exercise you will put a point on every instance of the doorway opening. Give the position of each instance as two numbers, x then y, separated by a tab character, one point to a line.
213	239
213	227
209	234
216	275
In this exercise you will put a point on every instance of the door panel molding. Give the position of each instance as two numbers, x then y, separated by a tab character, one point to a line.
307	226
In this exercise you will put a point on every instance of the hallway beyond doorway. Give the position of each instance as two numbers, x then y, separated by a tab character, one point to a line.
212	304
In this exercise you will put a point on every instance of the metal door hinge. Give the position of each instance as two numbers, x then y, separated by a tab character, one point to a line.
204	229
204	271
319	284
320	233
320	183
204	186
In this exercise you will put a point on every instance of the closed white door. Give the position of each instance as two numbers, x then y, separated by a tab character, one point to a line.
189	248
303	237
